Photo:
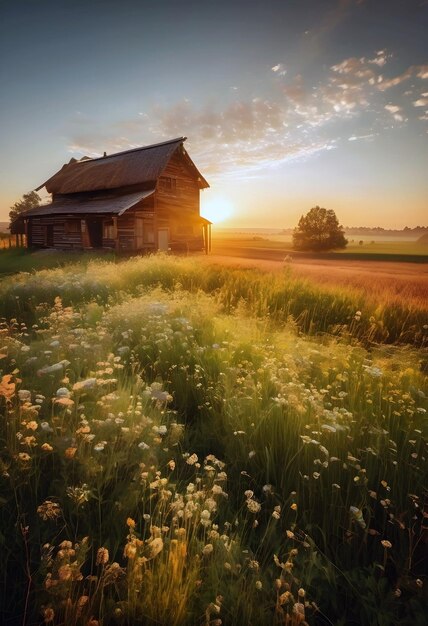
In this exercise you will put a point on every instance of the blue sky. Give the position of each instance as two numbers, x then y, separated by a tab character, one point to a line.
286	104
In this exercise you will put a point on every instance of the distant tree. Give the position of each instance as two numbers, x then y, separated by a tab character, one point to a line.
319	230
28	201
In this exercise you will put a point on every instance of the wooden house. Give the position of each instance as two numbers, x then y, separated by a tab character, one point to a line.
140	200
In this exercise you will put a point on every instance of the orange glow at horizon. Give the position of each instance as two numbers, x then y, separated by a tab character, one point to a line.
217	208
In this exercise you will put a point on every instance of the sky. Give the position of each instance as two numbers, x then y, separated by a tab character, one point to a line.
286	104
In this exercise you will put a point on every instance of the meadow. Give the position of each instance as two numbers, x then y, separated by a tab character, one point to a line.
360	247
185	443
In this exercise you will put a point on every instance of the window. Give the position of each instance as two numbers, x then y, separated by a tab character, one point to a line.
108	229
72	227
168	184
148	233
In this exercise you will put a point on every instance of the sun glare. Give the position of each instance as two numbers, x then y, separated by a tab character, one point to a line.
217	209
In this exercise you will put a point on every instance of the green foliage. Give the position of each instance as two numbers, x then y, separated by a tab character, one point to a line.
28	201
318	231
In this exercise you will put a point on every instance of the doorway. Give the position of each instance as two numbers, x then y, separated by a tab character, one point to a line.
163	240
95	232
49	236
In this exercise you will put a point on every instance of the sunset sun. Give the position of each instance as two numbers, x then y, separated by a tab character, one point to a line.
217	209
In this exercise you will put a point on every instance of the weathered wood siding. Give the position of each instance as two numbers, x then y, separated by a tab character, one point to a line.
185	197
178	208
61	238
133	236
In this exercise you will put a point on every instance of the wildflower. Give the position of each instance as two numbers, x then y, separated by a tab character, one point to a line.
79	494
81	385
208	549
130	550
130	523
62	392
171	465
289	534
25	396
285	597
374	372
299	610
192	459
23	456
48	615
102	556
253	506
70	452
52	369
49	510
65	572
276	512
143	446
154	547
301	593
259	585
46	447
397	593
419	582
357	515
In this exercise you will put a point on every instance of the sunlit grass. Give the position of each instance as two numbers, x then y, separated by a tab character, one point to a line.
183	444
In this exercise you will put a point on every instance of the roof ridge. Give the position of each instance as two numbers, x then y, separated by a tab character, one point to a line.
153	145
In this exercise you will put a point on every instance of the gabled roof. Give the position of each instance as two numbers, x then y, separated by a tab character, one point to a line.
123	169
114	205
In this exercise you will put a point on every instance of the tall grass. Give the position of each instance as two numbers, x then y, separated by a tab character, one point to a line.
281	296
175	449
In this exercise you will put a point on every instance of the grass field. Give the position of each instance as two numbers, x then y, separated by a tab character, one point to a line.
187	443
13	260
273	246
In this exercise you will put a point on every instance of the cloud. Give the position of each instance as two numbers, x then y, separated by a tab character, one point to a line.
392	108
359	137
421	102
279	69
241	136
380	59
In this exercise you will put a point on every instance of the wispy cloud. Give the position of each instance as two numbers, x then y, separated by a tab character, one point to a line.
279	69
298	120
421	102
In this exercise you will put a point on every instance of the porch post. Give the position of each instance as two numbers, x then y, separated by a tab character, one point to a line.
26	232
115	234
